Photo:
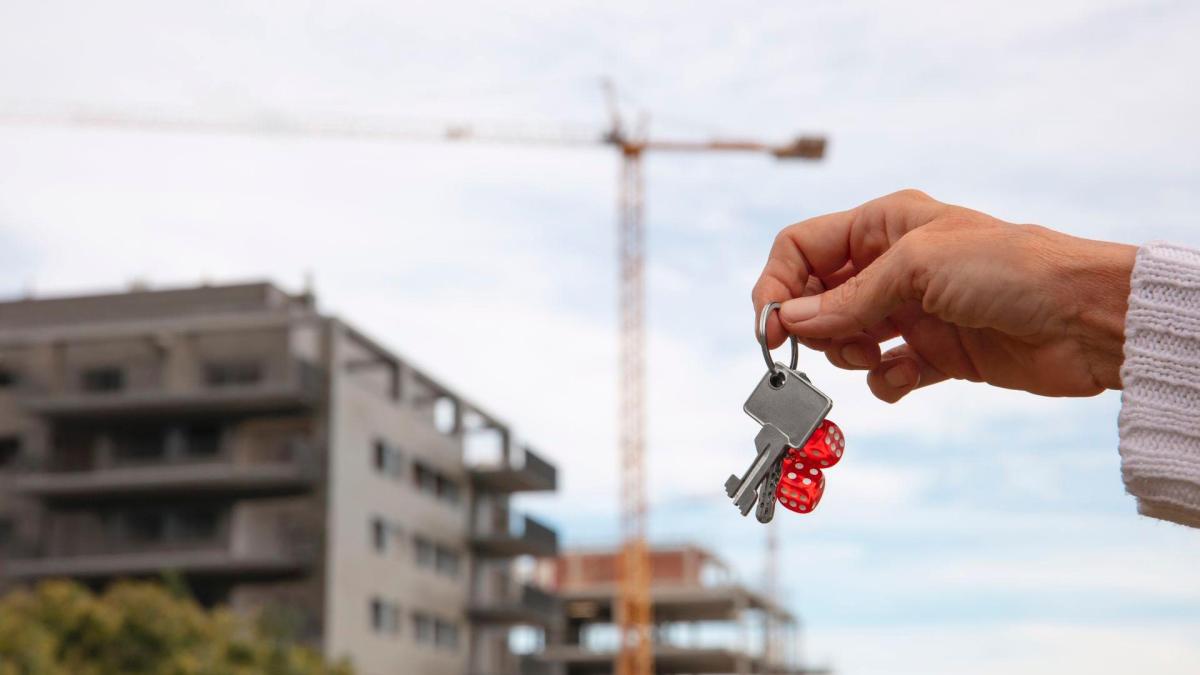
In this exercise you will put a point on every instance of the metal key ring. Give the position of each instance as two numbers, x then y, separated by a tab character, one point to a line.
762	340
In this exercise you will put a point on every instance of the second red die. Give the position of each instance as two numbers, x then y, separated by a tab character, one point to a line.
801	484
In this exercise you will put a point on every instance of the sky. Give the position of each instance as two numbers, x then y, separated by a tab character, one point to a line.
968	530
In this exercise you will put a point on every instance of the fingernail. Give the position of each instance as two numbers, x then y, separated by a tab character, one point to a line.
855	355
800	309
899	376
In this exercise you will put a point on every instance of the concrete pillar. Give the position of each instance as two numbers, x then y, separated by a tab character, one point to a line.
743	650
57	362
175	445
102	452
179	369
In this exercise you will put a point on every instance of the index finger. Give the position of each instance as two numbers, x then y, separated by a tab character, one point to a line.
824	245
817	246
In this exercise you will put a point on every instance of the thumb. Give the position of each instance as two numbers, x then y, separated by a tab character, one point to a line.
863	300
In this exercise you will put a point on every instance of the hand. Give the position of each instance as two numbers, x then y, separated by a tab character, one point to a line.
974	297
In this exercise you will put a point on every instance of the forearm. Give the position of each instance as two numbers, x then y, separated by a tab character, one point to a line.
1160	406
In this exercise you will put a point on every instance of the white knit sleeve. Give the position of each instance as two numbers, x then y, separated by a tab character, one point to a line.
1160	405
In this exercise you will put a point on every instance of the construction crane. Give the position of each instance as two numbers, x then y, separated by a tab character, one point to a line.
634	614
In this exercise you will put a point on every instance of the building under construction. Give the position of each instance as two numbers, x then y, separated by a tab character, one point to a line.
272	456
704	620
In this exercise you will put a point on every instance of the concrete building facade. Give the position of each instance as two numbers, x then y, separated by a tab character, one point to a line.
276	458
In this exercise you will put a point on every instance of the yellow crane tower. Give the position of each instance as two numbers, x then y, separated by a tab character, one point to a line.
634	614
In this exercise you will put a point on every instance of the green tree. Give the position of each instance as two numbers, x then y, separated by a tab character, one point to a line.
140	628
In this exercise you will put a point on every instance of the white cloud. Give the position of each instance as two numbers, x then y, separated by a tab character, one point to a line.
493	266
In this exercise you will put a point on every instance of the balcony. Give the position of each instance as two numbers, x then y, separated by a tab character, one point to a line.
250	544
299	388
294	469
522	471
521	535
519	604
528	664
145	564
667	659
519	664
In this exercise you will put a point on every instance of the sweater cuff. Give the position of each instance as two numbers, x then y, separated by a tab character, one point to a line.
1160	404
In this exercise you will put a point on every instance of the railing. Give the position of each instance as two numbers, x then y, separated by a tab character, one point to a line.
530	665
239	536
286	450
520	595
515	604
18	548
522	469
299	380
534	464
521	526
519	534
534	531
536	599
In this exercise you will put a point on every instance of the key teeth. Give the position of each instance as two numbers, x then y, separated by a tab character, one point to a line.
747	502
731	485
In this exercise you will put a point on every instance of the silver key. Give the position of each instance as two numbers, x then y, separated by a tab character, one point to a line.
789	408
766	493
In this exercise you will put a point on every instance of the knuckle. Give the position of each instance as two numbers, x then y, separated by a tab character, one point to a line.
911	195
756	292
847	296
914	256
783	238
954	218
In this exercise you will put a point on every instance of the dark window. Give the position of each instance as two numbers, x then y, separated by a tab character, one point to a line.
377	615
108	378
447	562
6	532
425	479
233	373
426	552
145	526
138	445
385	616
436	557
447	490
381	455
423	628
10	447
387	459
379	535
445	634
435	484
203	440
9	378
197	524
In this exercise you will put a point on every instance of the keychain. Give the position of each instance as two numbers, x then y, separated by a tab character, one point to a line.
795	443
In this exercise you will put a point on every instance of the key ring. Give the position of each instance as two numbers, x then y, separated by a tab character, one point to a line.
762	341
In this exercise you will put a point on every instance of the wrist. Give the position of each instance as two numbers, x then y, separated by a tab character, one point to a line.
1100	272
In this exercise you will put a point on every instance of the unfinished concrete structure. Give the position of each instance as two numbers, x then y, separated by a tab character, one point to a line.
274	457
705	622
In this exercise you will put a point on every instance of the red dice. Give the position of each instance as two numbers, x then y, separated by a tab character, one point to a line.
824	448
802	482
